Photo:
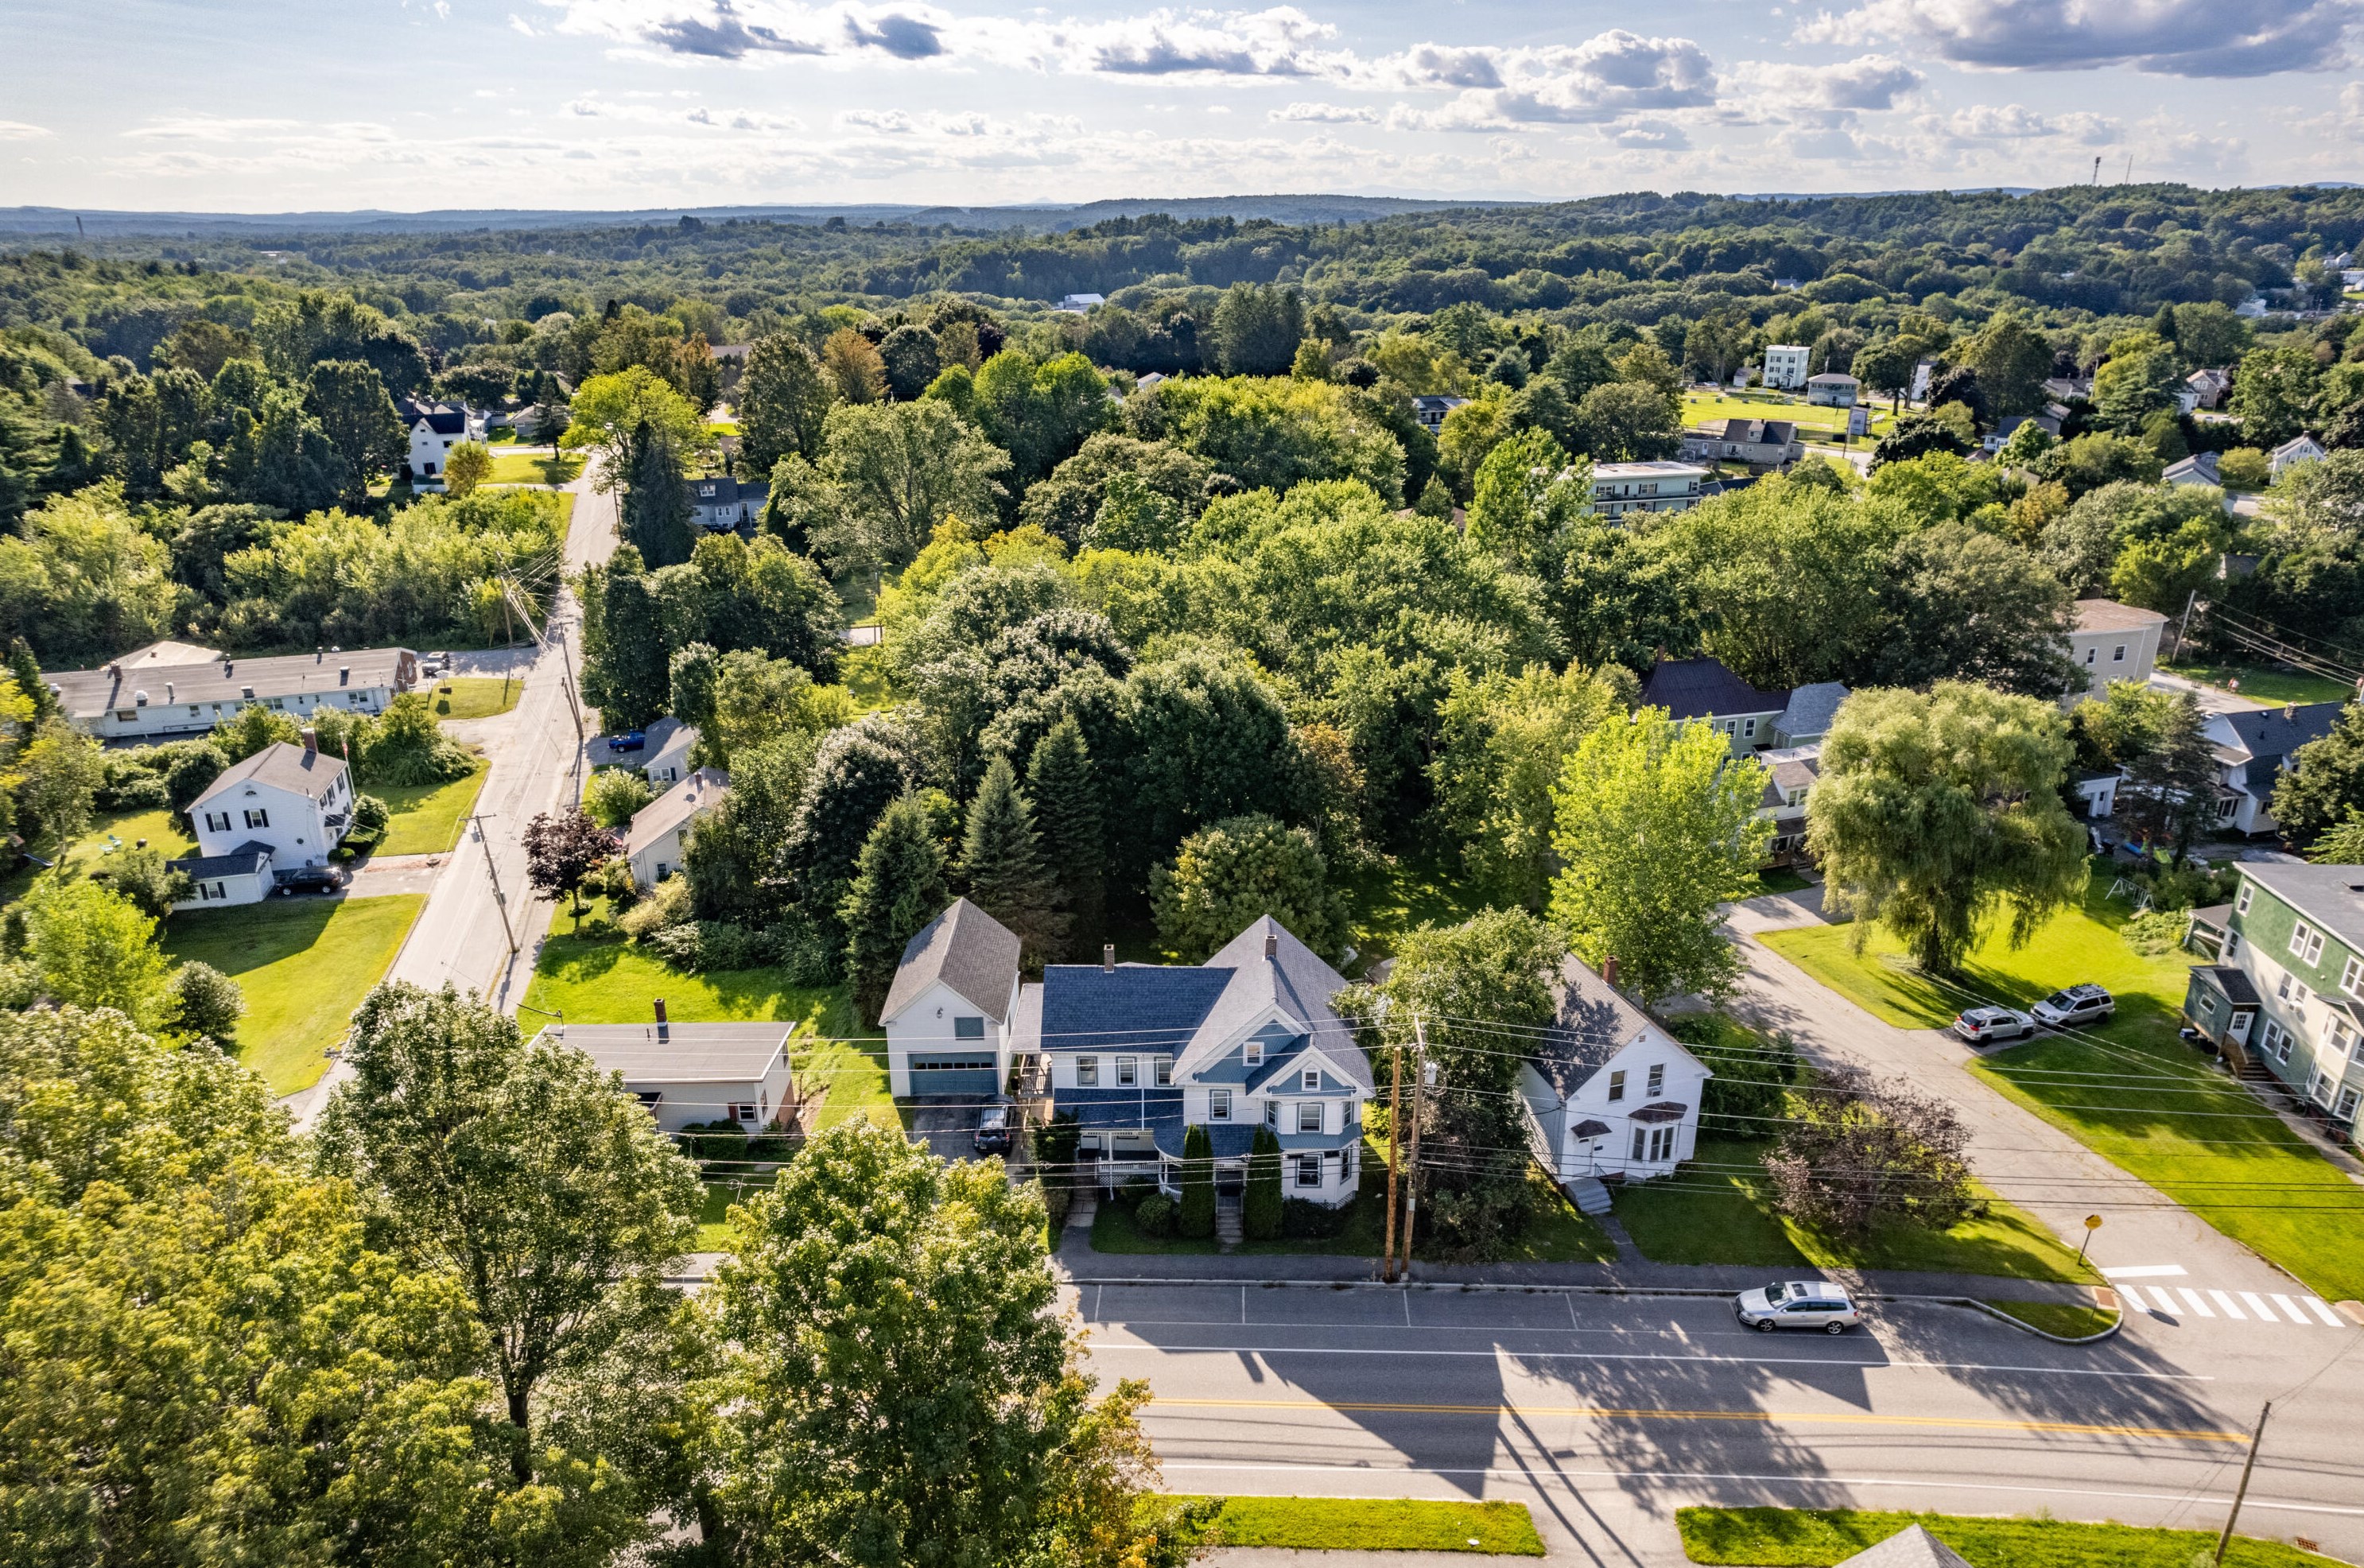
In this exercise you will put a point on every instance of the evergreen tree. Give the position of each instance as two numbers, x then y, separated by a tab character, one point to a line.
25	669
1198	1182
1067	811
656	508
1260	1208
2170	790
1001	858
625	665
898	887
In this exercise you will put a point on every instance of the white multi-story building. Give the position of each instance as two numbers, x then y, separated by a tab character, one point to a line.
279	811
172	688
1655	486
1785	365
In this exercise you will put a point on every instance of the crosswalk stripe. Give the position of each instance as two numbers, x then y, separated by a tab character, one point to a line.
2314	1305
2231	1310
2132	1296
2258	1305
2198	1306
2290	1309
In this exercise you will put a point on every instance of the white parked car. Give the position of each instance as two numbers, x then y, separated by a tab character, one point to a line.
1981	1025
1797	1304
2076	1004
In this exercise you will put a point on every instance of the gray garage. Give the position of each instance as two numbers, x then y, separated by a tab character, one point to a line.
974	1072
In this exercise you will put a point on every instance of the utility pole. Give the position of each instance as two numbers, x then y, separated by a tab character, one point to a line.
2184	625
2256	1436
1411	1160
500	899
1395	1131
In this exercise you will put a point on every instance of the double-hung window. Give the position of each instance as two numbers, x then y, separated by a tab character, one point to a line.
2351	975
1219	1105
2241	905
1088	1072
2306	942
1657	1079
1252	1053
1272	1114
1616	1085
1309	1170
1309	1115
1310	1080
1128	1071
1161	1072
258	819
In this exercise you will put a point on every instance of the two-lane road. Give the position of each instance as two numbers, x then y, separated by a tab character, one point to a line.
1605	1413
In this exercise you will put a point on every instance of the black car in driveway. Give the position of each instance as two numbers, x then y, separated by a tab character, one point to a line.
993	1130
313	879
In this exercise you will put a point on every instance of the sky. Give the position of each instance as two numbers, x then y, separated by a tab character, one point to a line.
272	106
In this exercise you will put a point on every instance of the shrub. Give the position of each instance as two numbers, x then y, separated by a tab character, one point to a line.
614	795
1155	1215
1197	1183
2155	931
2244	468
1303	1219
718	1140
370	817
1135	1192
129	782
1057	1200
204	1001
667	907
1260	1207
141	876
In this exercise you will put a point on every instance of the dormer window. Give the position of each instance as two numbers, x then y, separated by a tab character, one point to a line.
1254	1052
1310	1080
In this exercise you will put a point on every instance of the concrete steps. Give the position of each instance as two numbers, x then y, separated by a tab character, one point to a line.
1228	1232
1589	1195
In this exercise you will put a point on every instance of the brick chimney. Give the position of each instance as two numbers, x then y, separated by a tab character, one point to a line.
1609	971
311	741
664	1029
1108	958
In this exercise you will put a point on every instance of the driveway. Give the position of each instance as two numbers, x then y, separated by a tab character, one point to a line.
2016	1152
948	1123
2213	699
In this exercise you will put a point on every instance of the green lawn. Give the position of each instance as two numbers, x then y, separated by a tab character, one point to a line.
1114	1232
604	980
426	818
305	965
714	1231
475	697
1373	1524
2265	682
86	854
1817	1537
1390	898
1719	1210
2195	1136
1810	419
2058	1317
525	468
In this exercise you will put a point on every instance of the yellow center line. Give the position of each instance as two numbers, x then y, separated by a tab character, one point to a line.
1602	1412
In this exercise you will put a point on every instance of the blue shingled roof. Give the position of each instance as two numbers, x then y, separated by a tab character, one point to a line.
1137	1007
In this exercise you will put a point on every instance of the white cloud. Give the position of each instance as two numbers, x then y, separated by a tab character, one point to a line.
1651	136
520	24
1604	78
1324	114
17	130
2177	37
1871	81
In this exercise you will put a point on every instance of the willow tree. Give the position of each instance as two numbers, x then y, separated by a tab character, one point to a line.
1939	813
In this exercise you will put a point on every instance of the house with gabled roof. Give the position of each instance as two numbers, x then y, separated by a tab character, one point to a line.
1141	1054
435	429
948	1014
1703	691
2299	449
658	840
2254	748
1609	1093
264	818
691	1073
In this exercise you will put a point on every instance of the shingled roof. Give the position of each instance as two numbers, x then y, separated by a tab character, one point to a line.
966	949
1698	688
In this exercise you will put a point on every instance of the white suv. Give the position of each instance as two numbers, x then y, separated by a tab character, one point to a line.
2076	1004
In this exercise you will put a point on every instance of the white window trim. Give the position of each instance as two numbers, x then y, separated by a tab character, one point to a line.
1252	1053
1219	1105
1128	1072
1310	1080
1314	1106
1088	1072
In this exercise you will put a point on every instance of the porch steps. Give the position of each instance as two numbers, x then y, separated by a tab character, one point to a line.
1589	1195
1228	1232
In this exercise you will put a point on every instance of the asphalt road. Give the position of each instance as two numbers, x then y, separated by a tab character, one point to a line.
460	937
1606	1414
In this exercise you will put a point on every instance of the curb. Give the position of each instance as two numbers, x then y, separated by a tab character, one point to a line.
1644	1292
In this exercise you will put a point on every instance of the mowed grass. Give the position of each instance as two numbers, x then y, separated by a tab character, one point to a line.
528	468
89	853
715	1231
1809	418
474	696
1817	1537
425	819
1718	1209
2266	684
2070	1322
1374	1524
602	980
2130	1090
303	963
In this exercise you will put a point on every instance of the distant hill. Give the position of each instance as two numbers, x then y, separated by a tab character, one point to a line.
1298	209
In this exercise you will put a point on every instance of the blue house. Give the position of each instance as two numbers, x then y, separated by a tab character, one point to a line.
1248	1038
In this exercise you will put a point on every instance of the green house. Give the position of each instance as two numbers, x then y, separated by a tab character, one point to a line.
2287	991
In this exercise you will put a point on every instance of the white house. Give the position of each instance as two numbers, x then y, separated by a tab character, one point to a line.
2292	453
654	844
721	505
686	1074
948	1015
2254	748
1833	389
669	744
172	688
2111	641
435	430
1143	1052
1785	365
1078	304
280	810
1655	486
1431	407
1609	1093
1790	774
1923	372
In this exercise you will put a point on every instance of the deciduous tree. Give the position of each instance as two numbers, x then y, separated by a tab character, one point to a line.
2326	781
1228	874
1857	1154
561	848
783	399
1938	812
